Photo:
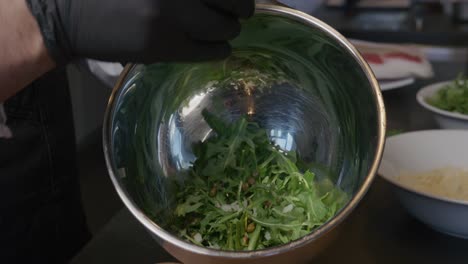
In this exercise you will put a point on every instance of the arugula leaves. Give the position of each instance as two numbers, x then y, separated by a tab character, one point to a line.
245	193
453	97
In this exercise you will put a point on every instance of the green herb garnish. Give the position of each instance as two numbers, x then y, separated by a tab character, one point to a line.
453	97
245	193
394	132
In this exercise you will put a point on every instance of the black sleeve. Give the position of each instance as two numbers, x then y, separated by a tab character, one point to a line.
48	20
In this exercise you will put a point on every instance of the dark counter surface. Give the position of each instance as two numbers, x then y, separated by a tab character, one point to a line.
397	26
378	231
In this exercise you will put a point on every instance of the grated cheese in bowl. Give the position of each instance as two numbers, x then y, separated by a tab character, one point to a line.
447	182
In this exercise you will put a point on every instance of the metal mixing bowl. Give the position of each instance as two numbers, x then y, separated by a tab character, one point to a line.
294	75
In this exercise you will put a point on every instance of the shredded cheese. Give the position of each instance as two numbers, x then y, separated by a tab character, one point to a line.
448	182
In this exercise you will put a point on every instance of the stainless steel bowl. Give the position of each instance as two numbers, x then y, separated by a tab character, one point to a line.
294	75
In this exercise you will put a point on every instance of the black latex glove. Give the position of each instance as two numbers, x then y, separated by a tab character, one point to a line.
139	30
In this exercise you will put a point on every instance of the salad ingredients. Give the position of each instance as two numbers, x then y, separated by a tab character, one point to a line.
453	97
394	132
245	193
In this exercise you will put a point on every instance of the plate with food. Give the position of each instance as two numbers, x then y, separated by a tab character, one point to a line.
386	85
447	101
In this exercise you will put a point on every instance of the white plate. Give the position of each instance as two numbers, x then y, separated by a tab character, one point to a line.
394	84
445	119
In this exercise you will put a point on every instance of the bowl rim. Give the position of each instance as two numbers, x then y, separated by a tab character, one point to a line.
413	190
317	233
430	90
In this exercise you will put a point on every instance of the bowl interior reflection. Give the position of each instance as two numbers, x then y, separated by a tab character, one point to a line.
295	81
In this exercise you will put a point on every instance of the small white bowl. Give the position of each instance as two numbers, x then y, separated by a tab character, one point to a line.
445	119
423	151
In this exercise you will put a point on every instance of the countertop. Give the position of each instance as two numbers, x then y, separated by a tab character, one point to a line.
397	26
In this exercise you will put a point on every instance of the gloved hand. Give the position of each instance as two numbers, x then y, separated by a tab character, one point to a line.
142	31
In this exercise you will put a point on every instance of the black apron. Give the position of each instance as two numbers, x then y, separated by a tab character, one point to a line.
41	218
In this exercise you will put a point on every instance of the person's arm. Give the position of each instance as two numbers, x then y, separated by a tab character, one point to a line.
23	55
36	33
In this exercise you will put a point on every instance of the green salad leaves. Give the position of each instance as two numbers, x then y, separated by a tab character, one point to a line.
453	97
245	193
